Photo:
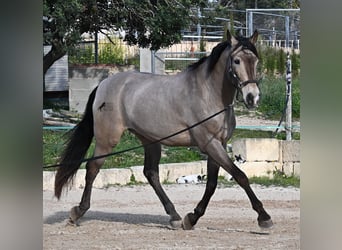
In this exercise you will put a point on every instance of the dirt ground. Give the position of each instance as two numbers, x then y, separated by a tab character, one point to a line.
132	217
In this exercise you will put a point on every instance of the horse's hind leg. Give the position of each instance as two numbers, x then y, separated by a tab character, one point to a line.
93	168
151	172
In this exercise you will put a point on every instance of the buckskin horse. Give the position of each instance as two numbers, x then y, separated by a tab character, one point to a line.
155	106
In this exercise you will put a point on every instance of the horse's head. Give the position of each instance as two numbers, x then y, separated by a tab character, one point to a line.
242	66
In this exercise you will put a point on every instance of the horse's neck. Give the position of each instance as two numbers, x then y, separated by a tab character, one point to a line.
221	84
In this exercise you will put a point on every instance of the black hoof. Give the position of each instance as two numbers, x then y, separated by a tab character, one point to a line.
187	223
74	215
265	224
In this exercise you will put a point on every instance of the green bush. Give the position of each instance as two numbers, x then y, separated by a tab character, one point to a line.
108	53
111	53
273	95
295	61
281	63
272	61
82	54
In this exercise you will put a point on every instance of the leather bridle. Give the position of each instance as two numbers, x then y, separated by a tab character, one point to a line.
238	84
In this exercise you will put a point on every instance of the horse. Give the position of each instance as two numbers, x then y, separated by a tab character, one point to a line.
154	106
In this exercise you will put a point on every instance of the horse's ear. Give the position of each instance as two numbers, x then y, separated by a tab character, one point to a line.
231	38
254	38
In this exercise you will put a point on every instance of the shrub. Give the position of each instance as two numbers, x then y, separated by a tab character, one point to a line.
82	54
108	53
295	61
273	97
111	53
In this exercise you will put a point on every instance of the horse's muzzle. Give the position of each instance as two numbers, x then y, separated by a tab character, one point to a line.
251	101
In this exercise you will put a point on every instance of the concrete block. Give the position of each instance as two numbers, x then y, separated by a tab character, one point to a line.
89	72
296	169
170	172
290	151
224	173
104	178
87	84
48	180
112	176
258	169
257	149
288	168
146	61
79	180
138	173
78	98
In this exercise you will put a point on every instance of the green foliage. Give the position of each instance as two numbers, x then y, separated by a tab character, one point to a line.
135	60
295	63
278	178
82	54
63	17
181	154
153	24
225	29
108	53
53	143
133	181
112	53
281	62
273	97
272	61
202	45
245	133
52	146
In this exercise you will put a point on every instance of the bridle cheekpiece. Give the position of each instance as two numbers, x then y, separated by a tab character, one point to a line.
238	84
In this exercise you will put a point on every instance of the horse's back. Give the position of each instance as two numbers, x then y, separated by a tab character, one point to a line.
150	105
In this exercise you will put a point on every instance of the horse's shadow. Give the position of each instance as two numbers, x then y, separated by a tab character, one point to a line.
161	220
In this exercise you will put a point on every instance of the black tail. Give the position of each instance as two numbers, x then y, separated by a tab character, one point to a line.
76	149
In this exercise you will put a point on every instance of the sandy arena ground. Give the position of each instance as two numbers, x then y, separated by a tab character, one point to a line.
132	217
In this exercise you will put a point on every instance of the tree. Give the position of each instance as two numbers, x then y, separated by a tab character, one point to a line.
147	23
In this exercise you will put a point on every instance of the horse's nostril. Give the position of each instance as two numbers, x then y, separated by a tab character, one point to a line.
250	99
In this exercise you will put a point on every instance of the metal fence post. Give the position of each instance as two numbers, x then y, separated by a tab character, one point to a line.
288	123
153	61
199	28
287	31
96	54
250	23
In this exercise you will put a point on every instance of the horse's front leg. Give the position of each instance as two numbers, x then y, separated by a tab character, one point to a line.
216	151
212	172
151	172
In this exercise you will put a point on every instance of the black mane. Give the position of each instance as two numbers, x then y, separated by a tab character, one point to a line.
219	48
213	57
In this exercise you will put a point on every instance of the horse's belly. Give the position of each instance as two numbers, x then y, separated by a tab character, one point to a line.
164	134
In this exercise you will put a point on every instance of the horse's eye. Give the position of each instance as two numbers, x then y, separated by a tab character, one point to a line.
237	61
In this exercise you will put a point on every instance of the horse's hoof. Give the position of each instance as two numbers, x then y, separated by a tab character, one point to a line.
72	223
265	224
74	215
176	224
186	224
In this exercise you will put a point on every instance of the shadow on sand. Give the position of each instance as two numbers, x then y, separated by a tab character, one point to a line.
161	220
